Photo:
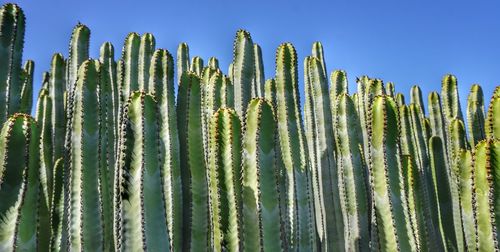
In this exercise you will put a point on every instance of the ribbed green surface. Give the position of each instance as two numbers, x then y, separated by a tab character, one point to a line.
261	218
142	214
224	166
20	183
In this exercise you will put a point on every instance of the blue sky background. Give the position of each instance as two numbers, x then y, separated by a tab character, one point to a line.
407	42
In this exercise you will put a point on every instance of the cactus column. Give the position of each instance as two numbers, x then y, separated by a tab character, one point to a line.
141	213
261	219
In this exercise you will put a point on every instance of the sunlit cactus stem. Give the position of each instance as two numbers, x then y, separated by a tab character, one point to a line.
261	218
493	117
78	53
182	60
259	77
196	65
12	26
193	166
463	164
485	165
224	166
27	87
130	57
476	115
57	206
141	213
296	175
353	170
85	209
394	231
56	89
20	178
243	70
161	82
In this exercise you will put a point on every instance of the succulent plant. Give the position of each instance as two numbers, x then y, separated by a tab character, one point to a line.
116	160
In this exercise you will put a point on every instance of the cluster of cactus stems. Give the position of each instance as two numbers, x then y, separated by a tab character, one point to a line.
114	160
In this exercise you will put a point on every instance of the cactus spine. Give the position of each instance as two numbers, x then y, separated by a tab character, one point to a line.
261	219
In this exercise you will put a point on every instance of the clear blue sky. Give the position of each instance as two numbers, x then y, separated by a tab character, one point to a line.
407	42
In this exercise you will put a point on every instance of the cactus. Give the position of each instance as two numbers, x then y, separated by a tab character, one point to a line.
56	92
146	50
224	166
493	120
338	79
443	195
197	65
162	86
485	164
12	26
386	170
107	140
261	216
352	169
57	206
317	51
213	63
27	87
259	78
193	167
243	70
400	99
78	53
321	146
451	101
85	209
390	90
475	115
463	165
20	178
130	57
270	91
141	213
416	98
299	221
182	60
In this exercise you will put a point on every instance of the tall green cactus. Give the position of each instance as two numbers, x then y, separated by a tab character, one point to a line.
162	86
107	140
130	57
12	26
27	87
197	65
193	166
20	178
78	53
243	70
394	231
475	115
56	92
224	166
493	118
442	193
146	50
141	213
321	145
353	170
416	98
299	219
339	85
85	208
261	216
317	51
463	164
182	60
451	100
390	89
259	77
57	206
485	166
